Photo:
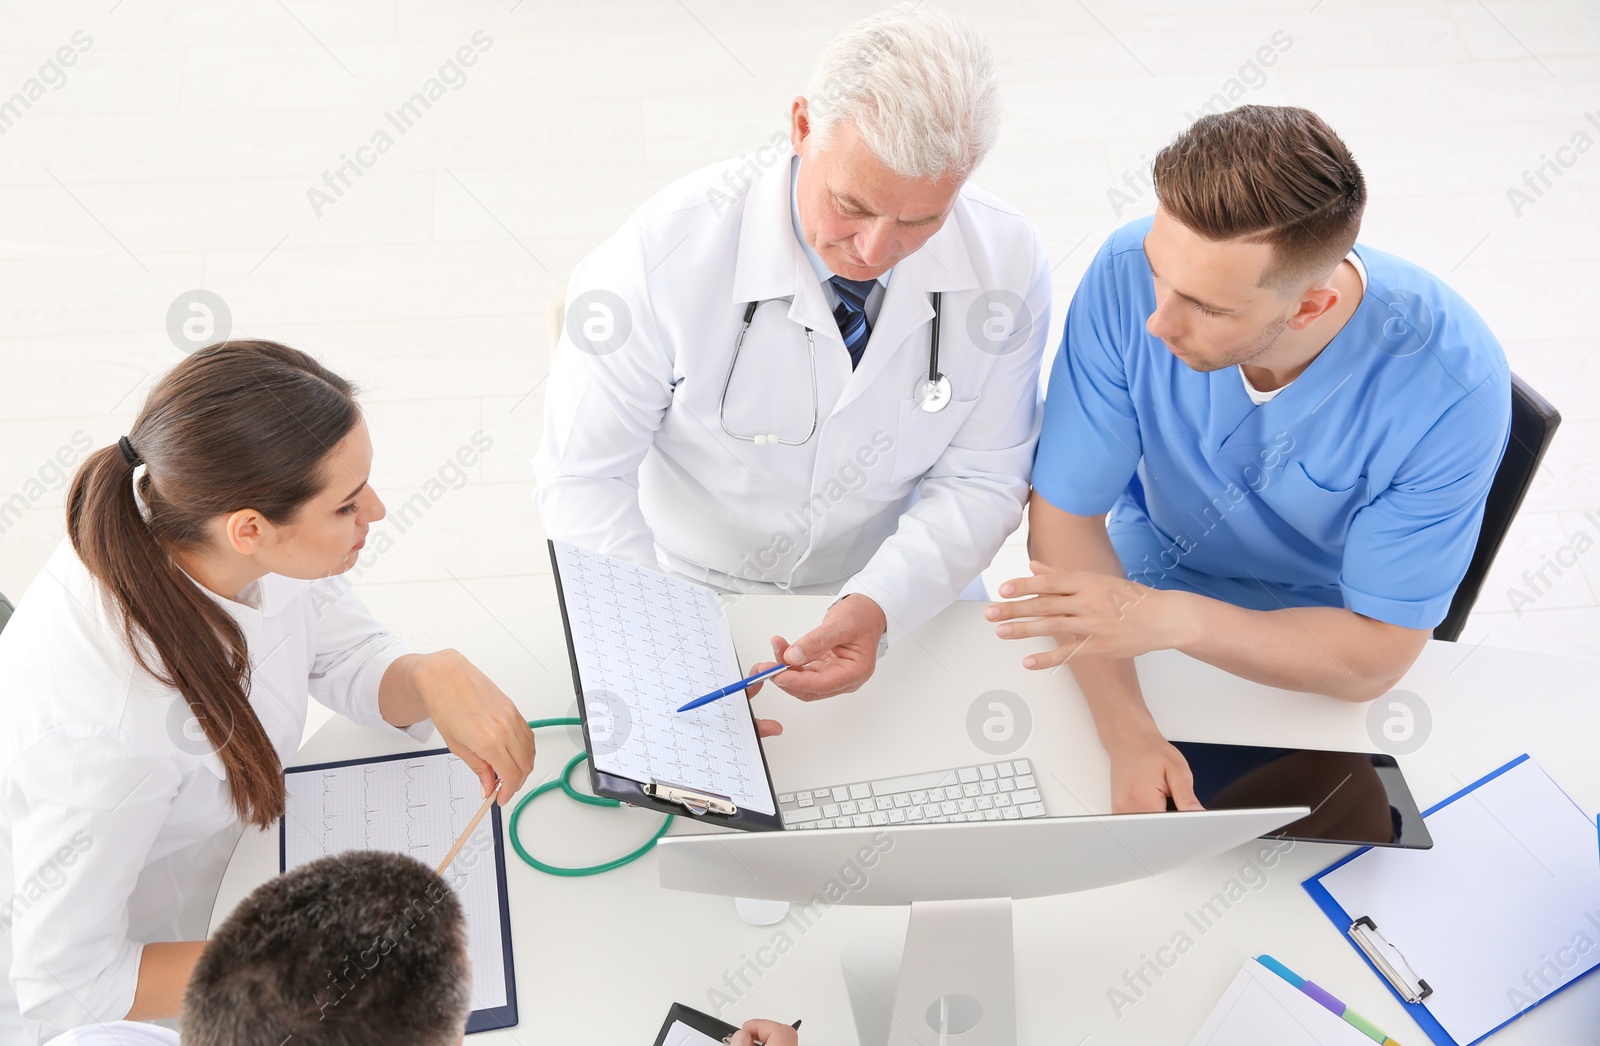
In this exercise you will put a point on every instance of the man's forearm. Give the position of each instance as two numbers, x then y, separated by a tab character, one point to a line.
1319	650
1110	685
1111	690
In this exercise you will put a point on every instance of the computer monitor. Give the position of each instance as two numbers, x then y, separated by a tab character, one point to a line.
956	969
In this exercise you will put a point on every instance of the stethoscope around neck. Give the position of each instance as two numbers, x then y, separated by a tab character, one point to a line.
932	393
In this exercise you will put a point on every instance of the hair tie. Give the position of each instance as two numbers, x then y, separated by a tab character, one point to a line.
129	455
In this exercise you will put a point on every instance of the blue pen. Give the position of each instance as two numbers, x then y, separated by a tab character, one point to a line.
733	688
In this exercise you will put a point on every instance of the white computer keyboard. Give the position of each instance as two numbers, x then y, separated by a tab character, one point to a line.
1003	791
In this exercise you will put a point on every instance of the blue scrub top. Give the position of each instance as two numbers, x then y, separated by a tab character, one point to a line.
1360	485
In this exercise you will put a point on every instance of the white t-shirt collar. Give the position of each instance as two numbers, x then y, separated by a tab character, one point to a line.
1257	396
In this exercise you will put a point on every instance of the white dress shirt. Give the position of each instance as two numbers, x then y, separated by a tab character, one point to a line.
115	817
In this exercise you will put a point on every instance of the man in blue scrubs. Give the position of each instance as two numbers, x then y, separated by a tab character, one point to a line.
1293	434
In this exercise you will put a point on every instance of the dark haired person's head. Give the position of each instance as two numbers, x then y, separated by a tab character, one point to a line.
1257	207
361	949
254	460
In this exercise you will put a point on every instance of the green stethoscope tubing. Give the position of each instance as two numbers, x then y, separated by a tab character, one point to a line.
564	782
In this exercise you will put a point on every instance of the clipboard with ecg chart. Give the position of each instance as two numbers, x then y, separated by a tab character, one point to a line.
417	804
642	643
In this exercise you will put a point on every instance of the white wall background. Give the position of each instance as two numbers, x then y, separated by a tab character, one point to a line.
177	151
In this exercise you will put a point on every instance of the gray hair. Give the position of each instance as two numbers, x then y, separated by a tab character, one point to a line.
918	84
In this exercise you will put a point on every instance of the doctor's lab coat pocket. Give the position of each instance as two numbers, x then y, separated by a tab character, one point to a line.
920	437
1323	515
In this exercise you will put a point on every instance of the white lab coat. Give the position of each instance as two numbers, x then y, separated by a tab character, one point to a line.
115	820
885	499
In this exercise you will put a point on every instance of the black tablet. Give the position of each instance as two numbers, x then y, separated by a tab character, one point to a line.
1359	798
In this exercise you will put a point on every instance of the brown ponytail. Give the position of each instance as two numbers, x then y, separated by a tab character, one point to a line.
240	424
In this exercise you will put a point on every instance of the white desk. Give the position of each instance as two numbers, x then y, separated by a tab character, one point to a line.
1487	705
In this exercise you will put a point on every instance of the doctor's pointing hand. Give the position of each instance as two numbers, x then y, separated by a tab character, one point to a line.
815	371
836	657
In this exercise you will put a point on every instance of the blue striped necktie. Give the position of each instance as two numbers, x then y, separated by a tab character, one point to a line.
851	315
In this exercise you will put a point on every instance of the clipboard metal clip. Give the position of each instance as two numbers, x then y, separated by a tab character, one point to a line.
1388	960
697	803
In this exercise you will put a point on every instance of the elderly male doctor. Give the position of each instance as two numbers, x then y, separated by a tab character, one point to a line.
746	392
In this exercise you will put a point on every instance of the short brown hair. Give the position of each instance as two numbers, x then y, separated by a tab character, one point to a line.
1273	174
360	948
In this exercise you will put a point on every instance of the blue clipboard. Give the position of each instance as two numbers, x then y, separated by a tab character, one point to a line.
488	1018
1418	1011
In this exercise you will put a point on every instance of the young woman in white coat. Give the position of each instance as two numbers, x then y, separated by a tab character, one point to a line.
156	676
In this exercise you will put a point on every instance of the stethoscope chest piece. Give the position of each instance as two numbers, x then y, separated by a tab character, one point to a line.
934	395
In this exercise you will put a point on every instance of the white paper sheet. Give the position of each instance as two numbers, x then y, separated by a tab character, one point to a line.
1505	908
1260	1008
418	806
647	644
680	1034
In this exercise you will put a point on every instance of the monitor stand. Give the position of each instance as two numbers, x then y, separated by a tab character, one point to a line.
952	980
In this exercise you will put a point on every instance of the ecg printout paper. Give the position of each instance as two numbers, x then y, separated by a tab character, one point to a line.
417	806
646	643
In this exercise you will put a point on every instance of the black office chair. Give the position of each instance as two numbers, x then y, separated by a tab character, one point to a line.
5	611
1533	422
